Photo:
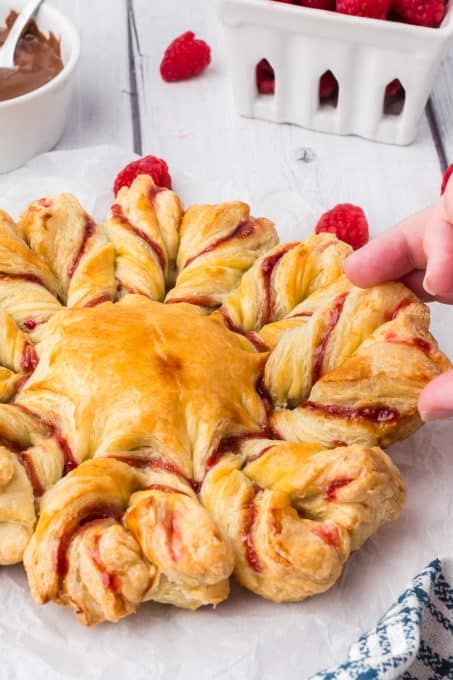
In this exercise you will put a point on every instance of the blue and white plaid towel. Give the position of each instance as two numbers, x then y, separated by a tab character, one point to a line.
413	640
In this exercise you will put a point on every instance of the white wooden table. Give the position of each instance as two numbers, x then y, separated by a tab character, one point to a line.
121	98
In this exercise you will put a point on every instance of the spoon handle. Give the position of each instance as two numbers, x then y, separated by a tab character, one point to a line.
8	48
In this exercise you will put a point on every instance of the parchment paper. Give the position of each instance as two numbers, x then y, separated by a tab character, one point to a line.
245	637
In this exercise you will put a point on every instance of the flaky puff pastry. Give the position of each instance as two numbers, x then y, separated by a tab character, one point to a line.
143	225
294	512
111	536
269	409
218	244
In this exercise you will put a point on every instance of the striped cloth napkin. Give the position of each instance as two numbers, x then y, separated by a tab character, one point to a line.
413	640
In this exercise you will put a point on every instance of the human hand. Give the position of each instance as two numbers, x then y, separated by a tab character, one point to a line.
419	252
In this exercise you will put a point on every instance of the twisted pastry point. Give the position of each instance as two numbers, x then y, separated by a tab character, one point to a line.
28	289
283	277
294	513
371	396
218	244
73	247
110	536
143	226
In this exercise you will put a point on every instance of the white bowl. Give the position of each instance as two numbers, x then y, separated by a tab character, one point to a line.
33	123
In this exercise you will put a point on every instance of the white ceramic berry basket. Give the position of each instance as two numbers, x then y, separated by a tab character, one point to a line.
365	55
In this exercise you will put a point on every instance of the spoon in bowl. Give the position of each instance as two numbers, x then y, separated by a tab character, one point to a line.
8	49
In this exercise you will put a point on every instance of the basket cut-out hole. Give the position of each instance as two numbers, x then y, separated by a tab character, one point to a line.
394	98
328	90
265	78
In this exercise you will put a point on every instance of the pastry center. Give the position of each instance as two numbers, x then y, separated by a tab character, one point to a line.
143	375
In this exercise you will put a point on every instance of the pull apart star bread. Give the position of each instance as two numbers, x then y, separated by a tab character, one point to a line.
182	397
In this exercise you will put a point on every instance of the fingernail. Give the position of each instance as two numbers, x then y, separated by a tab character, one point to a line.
439	414
427	286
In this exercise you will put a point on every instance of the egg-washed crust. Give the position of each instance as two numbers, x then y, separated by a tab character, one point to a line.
182	397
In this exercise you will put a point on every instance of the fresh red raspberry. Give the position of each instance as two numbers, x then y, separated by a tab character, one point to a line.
347	222
420	12
265	77
447	174
185	58
328	86
149	165
317	4
374	9
394	88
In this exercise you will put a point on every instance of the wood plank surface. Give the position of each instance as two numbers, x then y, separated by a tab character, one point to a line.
442	99
288	173
102	102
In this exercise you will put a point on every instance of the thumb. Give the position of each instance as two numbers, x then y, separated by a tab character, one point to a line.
436	400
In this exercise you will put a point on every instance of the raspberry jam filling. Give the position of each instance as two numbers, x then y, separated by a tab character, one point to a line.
200	300
251	515
32	475
31	324
45	203
92	514
173	534
300	314
400	306
24	276
260	454
157	464
320	351
110	581
242	231
165	489
27	463
327	533
99	300
231	444
330	493
70	462
252	337
29	358
419	343
375	414
89	231
118	214
267	268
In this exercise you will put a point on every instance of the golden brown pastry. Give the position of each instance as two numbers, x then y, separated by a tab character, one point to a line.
218	244
164	444
294	512
73	247
143	225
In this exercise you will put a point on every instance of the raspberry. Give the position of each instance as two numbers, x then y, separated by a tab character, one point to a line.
317	4
394	88
328	86
374	9
149	165
185	58
347	222
420	12
447	174
265	77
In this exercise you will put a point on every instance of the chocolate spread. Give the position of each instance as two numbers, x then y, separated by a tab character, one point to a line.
37	59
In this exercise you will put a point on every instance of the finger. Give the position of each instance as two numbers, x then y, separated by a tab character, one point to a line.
393	255
415	280
438	245
436	400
